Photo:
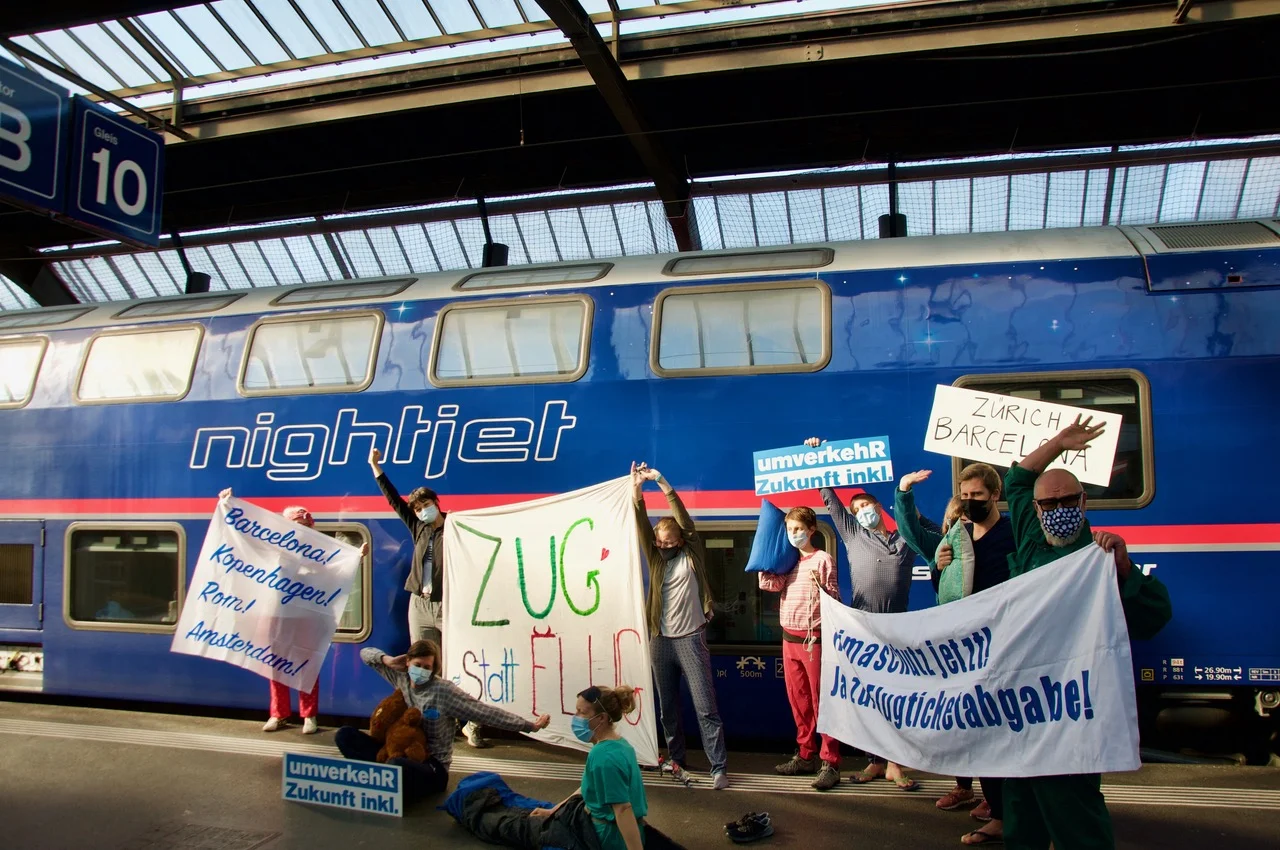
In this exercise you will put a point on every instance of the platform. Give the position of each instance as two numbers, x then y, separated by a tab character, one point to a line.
117	780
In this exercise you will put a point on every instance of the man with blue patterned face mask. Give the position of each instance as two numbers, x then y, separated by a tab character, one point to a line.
1048	510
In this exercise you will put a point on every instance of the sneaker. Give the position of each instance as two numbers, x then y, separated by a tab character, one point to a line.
760	817
955	798
310	726
981	812
750	831
797	766
719	781
828	777
677	771
275	724
474	738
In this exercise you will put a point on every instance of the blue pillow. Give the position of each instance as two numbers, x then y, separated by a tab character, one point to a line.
486	779
771	551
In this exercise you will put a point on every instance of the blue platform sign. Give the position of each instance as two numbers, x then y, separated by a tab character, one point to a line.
359	786
35	116
117	169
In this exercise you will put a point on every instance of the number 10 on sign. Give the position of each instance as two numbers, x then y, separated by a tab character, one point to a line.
117	176
123	170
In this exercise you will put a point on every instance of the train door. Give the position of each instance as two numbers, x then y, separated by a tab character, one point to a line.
22	575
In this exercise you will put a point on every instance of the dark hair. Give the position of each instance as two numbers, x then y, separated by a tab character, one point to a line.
614	702
423	494
425	649
803	515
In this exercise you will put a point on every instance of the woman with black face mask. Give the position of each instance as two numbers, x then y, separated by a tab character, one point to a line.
993	542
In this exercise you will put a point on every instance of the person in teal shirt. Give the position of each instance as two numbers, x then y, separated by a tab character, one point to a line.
612	790
1048	510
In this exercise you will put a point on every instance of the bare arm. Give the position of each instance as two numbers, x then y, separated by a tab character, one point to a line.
626	820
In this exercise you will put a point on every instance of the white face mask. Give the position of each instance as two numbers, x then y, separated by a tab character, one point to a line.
429	514
798	538
869	517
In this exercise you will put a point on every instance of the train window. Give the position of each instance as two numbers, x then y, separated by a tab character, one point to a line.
742	330
750	261
521	341
125	576
327	353
356	622
41	318
187	305
329	292
154	365
19	364
1121	391
534	276
745	614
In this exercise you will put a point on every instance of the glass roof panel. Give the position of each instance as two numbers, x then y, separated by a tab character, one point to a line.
499	13
119	35
334	30
371	20
178	44
214	37
14	297
113	56
534	12
289	28
66	52
250	30
455	15
413	18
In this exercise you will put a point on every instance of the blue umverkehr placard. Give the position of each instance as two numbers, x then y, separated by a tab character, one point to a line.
843	463
117	175
35	120
360	786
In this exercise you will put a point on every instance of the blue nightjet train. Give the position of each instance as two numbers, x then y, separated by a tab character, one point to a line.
120	422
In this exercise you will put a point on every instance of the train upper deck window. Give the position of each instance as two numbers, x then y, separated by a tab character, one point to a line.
311	354
185	306
1121	391
125	576
750	261
742	330
328	293
41	318
521	341
154	365
356	621
534	276
19	365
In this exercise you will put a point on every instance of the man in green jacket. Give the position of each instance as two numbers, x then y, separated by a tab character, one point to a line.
1048	514
678	609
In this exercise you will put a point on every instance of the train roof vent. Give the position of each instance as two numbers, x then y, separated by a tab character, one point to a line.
1227	234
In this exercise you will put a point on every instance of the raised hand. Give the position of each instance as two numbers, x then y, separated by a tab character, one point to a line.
364	549
913	478
375	456
1078	434
224	495
813	442
399	662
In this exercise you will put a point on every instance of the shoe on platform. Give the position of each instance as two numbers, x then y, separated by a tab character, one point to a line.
955	798
981	812
310	726
828	778
719	781
474	738
797	766
275	724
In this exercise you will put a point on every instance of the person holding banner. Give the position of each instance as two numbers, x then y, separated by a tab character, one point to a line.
800	616
678	608
1048	512
421	514
992	537
880	563
417	675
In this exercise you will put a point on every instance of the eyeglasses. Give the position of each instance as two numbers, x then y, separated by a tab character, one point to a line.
1065	501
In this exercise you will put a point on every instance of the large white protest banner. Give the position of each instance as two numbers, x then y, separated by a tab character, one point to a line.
1001	429
544	599
1030	678
266	595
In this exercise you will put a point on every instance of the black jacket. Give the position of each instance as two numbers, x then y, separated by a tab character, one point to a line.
425	535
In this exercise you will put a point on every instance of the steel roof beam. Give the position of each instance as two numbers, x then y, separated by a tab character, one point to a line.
36	277
609	80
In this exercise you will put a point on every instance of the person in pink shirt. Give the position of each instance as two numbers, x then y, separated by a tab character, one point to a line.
800	615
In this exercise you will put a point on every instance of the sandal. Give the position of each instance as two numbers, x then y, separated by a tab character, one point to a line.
865	775
906	783
981	837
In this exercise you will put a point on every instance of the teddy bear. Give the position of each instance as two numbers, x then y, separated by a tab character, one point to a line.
399	729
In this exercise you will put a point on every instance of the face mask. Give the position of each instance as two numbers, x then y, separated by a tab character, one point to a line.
429	514
977	509
1062	522
581	729
671	554
420	675
869	517
798	539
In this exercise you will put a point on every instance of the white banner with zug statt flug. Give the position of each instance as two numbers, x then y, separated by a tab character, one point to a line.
266	595
1032	677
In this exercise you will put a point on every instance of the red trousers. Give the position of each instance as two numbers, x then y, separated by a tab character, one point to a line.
308	704
801	670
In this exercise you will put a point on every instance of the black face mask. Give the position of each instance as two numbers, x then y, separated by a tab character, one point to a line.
672	553
977	509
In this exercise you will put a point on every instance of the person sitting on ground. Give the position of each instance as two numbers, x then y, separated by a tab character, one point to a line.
992	535
800	616
880	563
612	788
416	674
1048	511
